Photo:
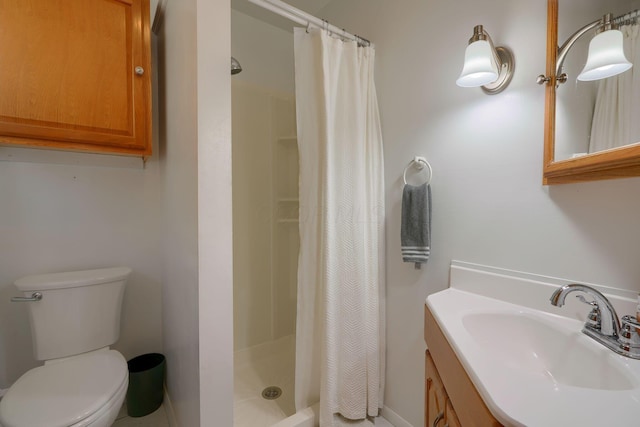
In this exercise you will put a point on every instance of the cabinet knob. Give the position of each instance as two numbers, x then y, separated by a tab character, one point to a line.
139	70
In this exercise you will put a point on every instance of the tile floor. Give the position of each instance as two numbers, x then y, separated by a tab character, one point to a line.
154	419
381	422
159	419
254	369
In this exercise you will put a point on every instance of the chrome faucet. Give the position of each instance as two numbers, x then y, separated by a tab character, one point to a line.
602	324
609	323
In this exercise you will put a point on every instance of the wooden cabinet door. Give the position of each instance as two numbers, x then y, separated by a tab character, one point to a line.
450	415
68	75
435	395
470	408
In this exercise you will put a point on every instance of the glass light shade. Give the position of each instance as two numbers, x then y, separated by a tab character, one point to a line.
606	57
480	67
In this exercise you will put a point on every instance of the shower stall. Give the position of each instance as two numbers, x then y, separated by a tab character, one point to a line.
265	222
335	288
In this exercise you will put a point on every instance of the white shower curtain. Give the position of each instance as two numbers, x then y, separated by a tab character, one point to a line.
617	109
341	290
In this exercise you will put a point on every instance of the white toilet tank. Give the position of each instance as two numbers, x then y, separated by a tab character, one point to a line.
79	311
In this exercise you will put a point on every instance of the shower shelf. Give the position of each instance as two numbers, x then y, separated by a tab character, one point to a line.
287	221
288	140
287	210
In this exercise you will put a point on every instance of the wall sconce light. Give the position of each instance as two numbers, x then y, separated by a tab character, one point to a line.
486	65
606	56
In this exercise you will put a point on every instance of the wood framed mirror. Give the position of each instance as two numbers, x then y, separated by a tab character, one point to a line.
584	164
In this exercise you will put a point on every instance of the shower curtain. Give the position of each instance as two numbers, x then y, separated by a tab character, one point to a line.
340	330
617	108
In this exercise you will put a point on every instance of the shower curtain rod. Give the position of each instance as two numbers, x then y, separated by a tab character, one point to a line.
303	18
629	16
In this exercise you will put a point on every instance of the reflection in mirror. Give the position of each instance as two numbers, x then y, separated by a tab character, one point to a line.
592	116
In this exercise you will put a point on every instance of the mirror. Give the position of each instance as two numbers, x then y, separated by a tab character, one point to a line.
582	143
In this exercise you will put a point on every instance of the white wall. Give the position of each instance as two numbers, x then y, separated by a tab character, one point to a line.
195	157
215	244
177	62
264	173
486	151
72	211
265	191
252	215
264	51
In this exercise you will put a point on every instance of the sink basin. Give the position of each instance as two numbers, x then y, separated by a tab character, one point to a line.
533	367
537	346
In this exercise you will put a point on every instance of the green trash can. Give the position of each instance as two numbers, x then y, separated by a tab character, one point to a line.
146	381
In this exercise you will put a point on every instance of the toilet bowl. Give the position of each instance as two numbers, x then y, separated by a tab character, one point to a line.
82	383
79	391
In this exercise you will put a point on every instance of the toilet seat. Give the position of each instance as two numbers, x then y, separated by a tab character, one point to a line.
70	392
106	415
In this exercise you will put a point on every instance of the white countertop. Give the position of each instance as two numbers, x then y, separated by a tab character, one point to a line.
532	365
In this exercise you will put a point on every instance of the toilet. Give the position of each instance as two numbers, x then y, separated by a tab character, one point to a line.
82	382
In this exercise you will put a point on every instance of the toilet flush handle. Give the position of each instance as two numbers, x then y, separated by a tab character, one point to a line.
36	296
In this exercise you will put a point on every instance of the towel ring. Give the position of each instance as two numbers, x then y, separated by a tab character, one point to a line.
420	163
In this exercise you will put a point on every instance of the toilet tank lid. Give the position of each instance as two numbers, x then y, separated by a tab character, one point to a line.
72	279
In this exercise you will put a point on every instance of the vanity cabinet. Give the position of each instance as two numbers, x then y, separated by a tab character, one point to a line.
76	75
447	385
450	416
435	396
438	408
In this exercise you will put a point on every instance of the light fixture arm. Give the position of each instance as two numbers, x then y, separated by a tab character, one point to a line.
564	49
479	33
603	24
503	59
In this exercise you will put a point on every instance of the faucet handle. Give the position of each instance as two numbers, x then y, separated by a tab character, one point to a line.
629	332
584	300
630	321
593	318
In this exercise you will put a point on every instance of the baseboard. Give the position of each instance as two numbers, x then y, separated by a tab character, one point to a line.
168	408
394	418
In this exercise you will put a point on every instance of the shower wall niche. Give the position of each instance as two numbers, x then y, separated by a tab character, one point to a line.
265	214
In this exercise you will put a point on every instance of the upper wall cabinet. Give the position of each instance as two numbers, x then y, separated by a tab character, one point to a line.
592	131
76	75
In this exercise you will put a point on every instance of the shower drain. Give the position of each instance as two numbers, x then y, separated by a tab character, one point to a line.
272	392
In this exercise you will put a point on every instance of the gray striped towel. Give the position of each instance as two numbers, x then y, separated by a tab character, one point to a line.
415	228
